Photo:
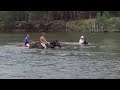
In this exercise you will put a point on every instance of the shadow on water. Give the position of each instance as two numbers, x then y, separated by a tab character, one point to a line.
99	59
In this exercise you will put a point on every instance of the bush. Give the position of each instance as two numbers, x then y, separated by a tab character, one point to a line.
108	22
80	25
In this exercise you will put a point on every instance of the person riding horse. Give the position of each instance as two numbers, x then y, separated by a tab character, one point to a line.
27	41
52	44
43	43
82	40
43	40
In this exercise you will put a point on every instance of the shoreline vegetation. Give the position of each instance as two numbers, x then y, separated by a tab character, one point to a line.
59	21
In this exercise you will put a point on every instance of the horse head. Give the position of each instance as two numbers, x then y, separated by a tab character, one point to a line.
55	43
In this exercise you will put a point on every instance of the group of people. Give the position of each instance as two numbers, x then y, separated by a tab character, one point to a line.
42	40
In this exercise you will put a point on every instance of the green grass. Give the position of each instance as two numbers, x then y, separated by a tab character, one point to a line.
112	24
80	25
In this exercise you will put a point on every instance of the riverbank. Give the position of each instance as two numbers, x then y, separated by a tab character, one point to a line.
40	26
95	25
85	25
54	26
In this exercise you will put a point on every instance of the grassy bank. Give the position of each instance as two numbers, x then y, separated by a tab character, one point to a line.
85	25
95	25
80	25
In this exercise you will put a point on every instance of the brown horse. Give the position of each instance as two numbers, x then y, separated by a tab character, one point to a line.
50	45
23	45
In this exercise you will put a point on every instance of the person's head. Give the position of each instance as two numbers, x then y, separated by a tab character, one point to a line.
43	34
82	37
27	35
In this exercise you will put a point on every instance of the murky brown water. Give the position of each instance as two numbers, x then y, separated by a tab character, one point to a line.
99	59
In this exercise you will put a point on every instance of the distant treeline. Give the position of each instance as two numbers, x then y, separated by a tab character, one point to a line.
8	18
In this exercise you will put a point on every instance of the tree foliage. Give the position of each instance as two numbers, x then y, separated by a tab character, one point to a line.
7	18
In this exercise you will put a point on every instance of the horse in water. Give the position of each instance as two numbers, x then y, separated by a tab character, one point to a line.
85	42
50	45
23	45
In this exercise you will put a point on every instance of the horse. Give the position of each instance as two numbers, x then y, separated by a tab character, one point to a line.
85	42
23	45
52	44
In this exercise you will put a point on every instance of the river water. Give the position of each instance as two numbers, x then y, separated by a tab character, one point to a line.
100	59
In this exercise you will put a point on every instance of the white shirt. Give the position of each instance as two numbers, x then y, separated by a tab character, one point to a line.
81	41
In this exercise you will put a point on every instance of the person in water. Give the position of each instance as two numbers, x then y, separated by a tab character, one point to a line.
43	40
82	40
27	41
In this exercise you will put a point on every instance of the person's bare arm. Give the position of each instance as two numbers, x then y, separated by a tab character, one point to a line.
40	39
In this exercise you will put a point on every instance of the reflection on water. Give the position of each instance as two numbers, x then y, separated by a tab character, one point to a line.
99	59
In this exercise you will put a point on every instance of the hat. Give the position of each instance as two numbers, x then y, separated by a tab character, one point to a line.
43	33
82	37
